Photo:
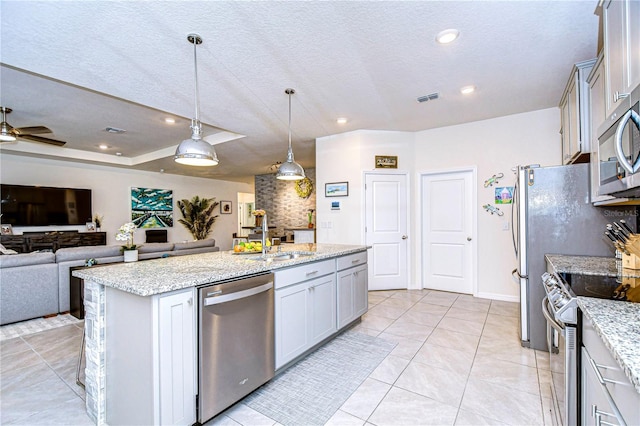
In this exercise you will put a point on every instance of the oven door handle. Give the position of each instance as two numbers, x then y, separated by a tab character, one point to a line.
548	316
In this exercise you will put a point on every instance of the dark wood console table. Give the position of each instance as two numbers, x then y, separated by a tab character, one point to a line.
32	241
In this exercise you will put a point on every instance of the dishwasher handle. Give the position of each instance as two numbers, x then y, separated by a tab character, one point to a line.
216	300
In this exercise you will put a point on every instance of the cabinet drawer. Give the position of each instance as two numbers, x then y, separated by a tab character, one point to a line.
616	382
352	260
304	272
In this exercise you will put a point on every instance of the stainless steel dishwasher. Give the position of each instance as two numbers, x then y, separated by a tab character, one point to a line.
236	345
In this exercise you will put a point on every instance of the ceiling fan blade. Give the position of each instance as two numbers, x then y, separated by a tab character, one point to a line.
42	140
34	130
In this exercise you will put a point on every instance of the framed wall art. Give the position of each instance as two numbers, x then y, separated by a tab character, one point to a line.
225	207
152	208
336	189
386	161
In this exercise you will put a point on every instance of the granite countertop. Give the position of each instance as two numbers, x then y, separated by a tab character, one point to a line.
618	325
589	265
616	322
149	277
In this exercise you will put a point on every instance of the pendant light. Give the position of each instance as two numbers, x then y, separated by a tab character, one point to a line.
290	170
195	151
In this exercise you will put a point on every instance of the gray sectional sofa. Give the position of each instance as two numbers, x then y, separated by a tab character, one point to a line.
37	284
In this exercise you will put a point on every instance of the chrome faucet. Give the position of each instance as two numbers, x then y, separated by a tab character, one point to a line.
265	234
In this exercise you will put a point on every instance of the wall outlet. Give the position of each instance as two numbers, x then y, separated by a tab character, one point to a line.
505	225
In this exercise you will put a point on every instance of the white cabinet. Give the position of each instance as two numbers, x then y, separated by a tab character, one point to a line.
575	116
305	308
621	22
352	288
608	397
176	363
149	355
598	116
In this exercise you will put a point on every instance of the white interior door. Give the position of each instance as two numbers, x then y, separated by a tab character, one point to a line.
447	231
386	230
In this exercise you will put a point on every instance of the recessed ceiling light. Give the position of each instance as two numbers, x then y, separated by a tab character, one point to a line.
341	120
170	120
447	36
103	146
467	90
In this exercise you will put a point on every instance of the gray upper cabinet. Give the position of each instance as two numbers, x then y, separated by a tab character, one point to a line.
621	23
575	115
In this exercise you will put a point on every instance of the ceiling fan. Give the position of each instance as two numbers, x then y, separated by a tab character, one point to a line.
10	134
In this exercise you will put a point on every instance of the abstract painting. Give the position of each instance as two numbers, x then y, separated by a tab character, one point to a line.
152	208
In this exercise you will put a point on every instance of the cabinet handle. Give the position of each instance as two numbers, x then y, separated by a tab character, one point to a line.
355	261
618	95
312	272
190	301
597	414
601	379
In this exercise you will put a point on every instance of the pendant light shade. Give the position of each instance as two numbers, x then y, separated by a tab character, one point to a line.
195	151
290	170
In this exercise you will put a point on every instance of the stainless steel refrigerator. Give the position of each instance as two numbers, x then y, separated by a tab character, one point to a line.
552	213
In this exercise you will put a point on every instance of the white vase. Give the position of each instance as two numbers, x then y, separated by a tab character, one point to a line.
131	255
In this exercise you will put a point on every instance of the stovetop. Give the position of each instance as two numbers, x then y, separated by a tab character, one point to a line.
602	287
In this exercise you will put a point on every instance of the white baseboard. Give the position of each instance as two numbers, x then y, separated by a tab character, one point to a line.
495	296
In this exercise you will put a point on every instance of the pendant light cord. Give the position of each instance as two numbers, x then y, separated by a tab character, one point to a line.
290	121
195	65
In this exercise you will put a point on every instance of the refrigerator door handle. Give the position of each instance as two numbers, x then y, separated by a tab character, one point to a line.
516	274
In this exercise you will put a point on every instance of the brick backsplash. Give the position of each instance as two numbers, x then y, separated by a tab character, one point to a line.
281	202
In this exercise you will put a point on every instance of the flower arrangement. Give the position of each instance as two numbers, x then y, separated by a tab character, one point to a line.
97	219
125	233
259	212
310	217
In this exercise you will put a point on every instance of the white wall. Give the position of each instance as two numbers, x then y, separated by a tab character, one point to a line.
344	158
492	146
111	194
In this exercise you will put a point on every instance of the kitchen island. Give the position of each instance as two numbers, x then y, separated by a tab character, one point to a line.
610	331
141	322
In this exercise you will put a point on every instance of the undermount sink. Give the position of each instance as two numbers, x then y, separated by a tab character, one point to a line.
281	257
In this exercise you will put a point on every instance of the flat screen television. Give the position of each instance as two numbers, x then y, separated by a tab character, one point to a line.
44	206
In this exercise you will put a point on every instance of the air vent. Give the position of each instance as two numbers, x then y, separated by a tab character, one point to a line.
114	130
430	97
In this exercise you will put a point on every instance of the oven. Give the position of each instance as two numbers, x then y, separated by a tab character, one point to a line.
619	150
561	314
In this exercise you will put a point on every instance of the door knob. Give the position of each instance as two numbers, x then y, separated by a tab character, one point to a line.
468	238
404	237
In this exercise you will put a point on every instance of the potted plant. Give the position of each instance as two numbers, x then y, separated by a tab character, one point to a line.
129	249
198	215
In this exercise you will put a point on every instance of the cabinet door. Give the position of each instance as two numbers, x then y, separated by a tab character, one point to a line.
596	409
353	298
176	340
292	329
633	44
360	291
614	51
598	117
322	307
345	297
574	117
565	132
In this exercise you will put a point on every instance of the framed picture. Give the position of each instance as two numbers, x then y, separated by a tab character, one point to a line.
6	230
91	226
151	207
336	189
386	161
225	207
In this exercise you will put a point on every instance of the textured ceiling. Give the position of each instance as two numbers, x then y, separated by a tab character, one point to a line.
93	64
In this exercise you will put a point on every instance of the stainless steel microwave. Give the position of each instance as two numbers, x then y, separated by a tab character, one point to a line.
619	151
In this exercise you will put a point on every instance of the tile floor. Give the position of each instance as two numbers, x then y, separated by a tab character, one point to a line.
458	361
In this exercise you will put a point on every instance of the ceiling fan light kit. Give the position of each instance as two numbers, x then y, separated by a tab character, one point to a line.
195	151
9	133
290	170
